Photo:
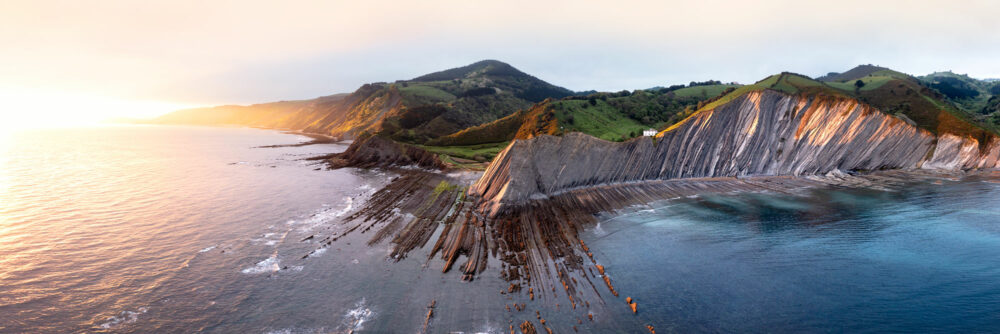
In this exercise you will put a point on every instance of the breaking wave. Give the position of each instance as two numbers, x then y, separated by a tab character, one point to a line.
269	265
125	317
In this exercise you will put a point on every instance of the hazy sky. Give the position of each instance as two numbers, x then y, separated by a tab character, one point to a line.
139	58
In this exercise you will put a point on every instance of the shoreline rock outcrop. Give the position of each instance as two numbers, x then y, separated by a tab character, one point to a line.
539	194
375	151
762	133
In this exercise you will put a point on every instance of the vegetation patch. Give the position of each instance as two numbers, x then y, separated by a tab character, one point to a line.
422	94
601	120
478	153
889	91
703	92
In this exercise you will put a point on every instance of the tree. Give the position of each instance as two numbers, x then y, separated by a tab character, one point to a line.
995	90
858	84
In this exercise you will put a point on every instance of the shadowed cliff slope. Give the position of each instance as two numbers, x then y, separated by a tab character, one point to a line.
408	110
375	151
759	133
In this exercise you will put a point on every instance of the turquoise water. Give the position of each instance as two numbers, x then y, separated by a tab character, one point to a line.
922	258
142	229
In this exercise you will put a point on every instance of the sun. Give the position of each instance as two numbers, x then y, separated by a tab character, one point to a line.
27	109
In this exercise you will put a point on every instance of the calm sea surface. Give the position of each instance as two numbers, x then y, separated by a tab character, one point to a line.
187	229
925	258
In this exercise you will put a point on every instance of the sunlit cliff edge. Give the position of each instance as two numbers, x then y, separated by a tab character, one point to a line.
411	111
762	132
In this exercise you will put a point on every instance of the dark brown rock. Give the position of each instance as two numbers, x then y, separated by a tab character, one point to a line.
376	151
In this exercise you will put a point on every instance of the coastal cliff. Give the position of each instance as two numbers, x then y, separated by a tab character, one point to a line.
412	111
342	115
375	151
525	213
762	133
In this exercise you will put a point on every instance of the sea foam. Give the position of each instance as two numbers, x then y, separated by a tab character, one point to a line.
356	318
125	317
269	265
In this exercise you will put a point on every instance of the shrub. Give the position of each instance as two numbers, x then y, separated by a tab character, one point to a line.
479	92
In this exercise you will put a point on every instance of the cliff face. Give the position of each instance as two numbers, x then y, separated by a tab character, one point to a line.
413	111
376	151
760	133
342	115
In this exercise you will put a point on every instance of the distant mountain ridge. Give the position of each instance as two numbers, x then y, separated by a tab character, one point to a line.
858	72
610	117
501	76
413	111
487	104
979	97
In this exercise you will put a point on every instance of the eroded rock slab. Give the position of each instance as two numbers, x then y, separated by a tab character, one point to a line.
762	133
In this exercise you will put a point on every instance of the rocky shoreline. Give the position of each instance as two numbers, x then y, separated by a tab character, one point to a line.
537	243
527	210
375	151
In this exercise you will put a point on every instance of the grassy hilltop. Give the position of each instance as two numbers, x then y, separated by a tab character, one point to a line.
610	116
468	114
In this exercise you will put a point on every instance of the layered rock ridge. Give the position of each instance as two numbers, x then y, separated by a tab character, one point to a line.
762	133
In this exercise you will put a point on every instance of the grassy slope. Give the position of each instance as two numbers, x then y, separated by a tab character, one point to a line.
473	157
600	120
422	94
978	106
603	115
470	95
889	91
703	91
501	130
766	83
481	152
861	71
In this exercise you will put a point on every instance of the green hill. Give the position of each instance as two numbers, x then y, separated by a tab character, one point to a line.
469	113
411	111
860	72
611	116
887	90
497	75
975	96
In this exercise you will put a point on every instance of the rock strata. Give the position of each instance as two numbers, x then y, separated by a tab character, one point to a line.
763	133
376	151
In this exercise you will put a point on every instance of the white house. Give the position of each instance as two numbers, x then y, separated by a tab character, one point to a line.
649	132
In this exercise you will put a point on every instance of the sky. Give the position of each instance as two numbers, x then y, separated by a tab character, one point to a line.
89	60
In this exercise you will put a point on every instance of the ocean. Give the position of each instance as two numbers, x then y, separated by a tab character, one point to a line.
923	258
171	229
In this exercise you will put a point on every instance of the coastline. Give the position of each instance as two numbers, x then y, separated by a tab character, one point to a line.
537	243
316	139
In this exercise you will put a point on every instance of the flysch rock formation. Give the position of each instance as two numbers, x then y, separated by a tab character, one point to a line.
762	133
523	217
536	246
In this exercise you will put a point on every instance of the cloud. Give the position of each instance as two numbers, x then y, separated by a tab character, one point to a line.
197	52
